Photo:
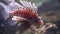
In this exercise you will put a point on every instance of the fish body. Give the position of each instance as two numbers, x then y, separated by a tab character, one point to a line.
28	12
25	13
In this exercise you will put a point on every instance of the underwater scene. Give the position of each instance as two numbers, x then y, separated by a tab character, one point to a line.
29	16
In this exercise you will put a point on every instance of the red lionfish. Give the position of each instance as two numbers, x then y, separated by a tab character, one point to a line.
28	12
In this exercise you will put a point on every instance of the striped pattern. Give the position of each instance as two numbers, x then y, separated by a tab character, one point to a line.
25	13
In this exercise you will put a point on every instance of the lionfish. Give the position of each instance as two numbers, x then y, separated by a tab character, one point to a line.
27	15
